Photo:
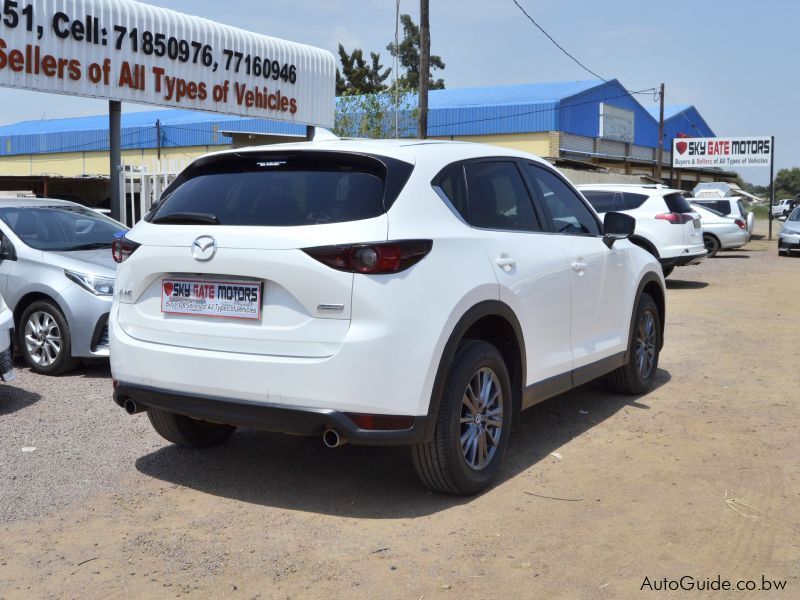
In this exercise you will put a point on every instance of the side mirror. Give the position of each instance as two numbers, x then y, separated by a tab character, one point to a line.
617	226
7	251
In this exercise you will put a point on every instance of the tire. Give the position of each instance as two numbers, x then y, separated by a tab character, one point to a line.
188	432
712	245
448	465
634	378
667	271
45	340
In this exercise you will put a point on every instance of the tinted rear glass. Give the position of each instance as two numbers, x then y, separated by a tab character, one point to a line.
610	201
677	203
721	206
282	191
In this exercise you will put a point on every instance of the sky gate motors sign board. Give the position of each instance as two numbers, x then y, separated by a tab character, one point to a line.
722	152
129	51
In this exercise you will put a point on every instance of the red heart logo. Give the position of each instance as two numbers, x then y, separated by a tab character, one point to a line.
168	287
681	147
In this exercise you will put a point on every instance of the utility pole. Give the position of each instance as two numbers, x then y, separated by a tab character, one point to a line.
115	156
660	153
158	139
424	68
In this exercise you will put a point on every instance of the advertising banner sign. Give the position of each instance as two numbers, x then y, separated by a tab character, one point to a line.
722	152
616	123
133	52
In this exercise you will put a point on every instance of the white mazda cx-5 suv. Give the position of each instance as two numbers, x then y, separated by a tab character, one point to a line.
377	292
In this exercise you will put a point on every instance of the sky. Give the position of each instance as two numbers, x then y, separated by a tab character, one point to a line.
723	57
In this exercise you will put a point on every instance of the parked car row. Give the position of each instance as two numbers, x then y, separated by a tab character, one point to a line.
367	292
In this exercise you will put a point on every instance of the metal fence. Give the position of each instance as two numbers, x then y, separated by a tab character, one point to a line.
143	184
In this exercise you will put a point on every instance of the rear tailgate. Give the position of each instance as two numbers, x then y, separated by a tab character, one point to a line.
241	282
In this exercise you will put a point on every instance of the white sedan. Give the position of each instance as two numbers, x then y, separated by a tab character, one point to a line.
6	347
721	232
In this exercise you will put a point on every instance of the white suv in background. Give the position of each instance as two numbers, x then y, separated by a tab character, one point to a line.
666	225
377	293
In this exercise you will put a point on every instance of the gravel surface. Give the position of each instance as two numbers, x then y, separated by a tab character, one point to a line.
697	478
84	443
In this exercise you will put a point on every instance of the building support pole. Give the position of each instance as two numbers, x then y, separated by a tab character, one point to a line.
660	153
424	68
311	131
115	147
771	184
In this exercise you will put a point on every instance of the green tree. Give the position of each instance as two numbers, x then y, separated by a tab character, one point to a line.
359	76
787	183
374	115
408	52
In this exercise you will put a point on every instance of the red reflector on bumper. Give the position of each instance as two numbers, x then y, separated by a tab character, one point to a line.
381	422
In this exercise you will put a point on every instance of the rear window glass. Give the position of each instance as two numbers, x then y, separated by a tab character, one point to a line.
275	190
720	206
677	203
609	201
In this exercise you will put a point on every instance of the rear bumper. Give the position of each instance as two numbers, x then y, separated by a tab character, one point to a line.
267	417
6	346
684	260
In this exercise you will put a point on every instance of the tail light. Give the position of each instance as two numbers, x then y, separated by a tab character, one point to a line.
676	218
741	224
122	248
372	259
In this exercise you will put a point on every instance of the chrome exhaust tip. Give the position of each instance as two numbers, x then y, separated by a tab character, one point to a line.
132	408
332	439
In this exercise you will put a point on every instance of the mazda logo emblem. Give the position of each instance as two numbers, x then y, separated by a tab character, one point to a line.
204	248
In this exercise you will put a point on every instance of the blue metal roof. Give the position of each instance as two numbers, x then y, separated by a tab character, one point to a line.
682	120
179	128
568	106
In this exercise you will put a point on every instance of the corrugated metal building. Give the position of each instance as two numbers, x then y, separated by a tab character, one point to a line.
593	124
682	120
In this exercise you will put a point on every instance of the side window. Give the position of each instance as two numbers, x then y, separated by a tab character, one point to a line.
632	201
497	197
567	211
450	182
605	201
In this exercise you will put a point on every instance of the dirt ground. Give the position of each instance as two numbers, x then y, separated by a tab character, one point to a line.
699	478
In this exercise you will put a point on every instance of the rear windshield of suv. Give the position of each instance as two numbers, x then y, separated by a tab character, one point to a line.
720	206
677	203
274	189
610	201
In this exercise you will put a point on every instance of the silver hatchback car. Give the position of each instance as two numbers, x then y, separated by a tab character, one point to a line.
57	277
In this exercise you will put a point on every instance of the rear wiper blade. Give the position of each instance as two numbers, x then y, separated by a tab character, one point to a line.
187	218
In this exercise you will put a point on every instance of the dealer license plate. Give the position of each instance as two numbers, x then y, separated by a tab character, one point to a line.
211	298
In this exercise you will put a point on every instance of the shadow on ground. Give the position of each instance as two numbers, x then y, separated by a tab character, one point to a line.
730	255
13	398
680	284
366	482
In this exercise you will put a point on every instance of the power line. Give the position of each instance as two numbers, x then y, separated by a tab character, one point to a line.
559	46
571	56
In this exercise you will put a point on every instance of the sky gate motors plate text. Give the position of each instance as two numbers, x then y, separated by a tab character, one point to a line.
227	299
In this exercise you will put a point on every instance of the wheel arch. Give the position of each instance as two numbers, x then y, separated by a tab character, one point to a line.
25	301
645	244
651	285
494	322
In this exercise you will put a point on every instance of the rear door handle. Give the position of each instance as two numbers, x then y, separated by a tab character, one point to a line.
579	267
506	263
